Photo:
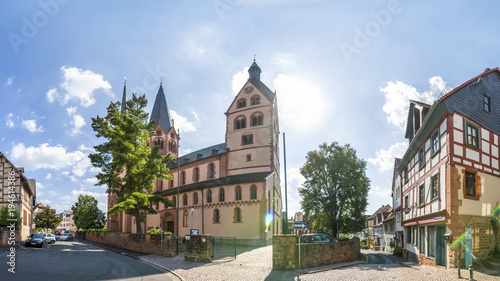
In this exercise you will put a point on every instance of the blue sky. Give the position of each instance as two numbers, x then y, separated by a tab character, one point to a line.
344	71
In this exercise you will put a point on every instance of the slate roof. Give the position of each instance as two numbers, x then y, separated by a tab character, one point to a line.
467	99
254	78
124	98
160	113
235	179
203	153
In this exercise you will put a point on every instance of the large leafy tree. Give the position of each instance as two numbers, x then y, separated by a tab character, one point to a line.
128	165
47	219
86	214
335	189
6	215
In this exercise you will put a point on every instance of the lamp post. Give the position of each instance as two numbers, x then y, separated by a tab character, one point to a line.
192	217
178	185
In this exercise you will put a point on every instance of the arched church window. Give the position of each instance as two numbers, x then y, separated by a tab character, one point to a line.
222	197
209	196
254	100
257	119
238	193
240	123
246	139
241	103
185	200
253	192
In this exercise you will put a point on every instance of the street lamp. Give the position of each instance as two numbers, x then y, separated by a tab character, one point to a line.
192	212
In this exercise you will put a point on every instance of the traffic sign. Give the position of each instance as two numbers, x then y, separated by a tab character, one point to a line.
299	225
300	233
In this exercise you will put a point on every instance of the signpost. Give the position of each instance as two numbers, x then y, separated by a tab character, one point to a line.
299	225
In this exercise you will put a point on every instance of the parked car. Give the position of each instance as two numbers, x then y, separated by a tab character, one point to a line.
35	239
316	238
49	238
66	237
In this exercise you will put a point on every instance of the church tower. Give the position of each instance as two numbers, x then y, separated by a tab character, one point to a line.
252	128
165	135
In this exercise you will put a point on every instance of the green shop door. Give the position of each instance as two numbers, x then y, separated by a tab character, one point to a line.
440	246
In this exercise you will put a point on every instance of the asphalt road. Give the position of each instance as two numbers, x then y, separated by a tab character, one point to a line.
75	260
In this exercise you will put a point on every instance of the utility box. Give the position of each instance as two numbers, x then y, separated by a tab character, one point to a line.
447	238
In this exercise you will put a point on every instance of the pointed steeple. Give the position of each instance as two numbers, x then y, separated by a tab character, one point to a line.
160	113
254	72
124	98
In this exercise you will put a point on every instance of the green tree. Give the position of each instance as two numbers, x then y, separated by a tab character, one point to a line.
47	219
86	214
128	165
336	188
6	215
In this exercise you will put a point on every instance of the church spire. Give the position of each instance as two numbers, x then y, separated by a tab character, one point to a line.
160	113
124	98
254	71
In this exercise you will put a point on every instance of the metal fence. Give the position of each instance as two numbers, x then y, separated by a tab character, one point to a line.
223	248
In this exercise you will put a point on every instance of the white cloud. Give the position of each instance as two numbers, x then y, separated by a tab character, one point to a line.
51	95
295	181
239	79
182	123
71	110
196	116
380	192
9	81
185	151
399	94
384	159
31	126
84	148
39	185
72	198
53	193
92	181
78	122
80	168
302	105
48	176
65	173
8	122
79	85
45	201
44	156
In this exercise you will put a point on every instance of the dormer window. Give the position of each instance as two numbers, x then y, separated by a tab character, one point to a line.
241	103
158	133
254	100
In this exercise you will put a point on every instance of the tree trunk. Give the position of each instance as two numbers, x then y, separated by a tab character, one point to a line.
138	221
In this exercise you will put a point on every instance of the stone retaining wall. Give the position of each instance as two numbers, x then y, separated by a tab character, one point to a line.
5	234
199	248
286	253
143	243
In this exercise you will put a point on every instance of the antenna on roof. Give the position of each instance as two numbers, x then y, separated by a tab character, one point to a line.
254	57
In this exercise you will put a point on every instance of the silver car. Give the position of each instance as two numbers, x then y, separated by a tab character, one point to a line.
66	237
49	238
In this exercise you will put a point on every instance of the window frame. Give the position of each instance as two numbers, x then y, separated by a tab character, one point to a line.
184	199
486	103
196	174
237	215
216	216
421	195
255	100
468	125
435	141
209	196
435	178
212	170
247	139
195	198
405	174
237	193
253	192
241	103
222	195
421	158
477	185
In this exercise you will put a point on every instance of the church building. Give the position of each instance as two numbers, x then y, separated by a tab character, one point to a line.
227	189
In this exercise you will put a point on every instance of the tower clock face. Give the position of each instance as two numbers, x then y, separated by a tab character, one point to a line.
248	90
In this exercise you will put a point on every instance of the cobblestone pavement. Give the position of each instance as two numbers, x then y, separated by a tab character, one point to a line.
256	265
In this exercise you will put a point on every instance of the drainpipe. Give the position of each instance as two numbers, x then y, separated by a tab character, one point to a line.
202	212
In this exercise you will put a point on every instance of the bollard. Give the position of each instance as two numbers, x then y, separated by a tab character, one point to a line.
459	276
470	272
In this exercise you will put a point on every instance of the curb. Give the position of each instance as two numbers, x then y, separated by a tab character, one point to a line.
331	268
137	258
